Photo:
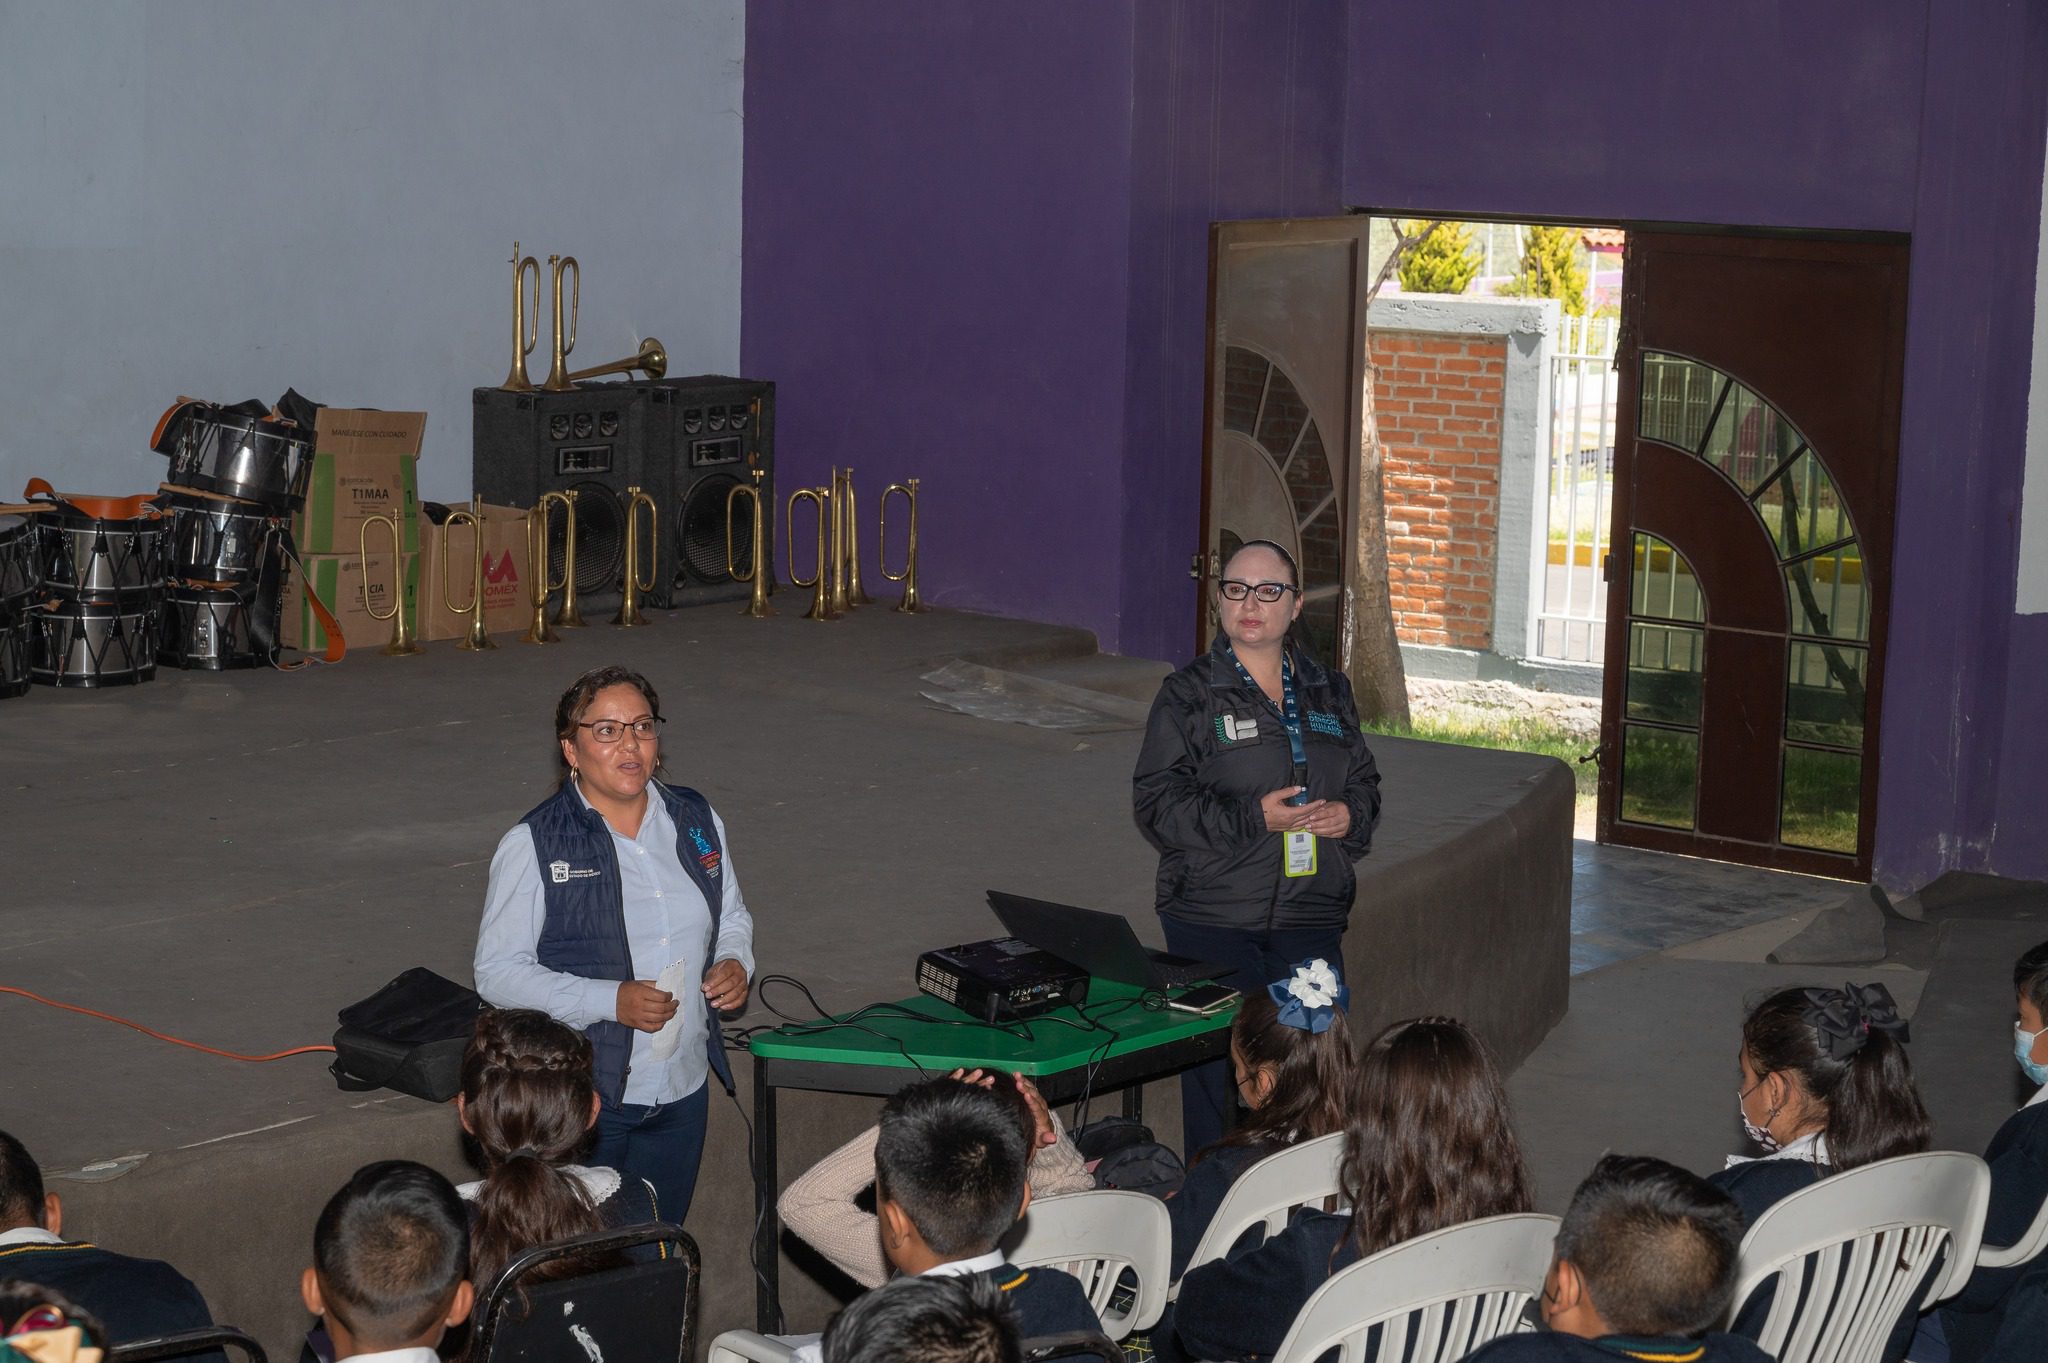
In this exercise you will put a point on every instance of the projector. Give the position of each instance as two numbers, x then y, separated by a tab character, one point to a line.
1001	978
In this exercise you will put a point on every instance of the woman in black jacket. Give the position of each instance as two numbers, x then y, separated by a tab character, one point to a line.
1257	788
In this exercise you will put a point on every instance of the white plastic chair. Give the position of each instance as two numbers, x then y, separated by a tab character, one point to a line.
2022	1250
745	1346
1435	1298
1268	1193
1854	1253
1097	1236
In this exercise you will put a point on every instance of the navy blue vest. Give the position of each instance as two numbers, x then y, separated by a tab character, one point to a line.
585	929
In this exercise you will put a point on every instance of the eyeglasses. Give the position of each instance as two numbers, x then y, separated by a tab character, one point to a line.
612	730
1268	592
39	1318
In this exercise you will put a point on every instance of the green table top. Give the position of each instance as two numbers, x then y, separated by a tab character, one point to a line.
923	1032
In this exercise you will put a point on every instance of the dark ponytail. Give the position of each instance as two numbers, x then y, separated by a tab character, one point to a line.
1311	1078
1847	1048
527	1089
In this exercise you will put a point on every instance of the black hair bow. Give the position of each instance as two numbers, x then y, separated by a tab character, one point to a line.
1846	1017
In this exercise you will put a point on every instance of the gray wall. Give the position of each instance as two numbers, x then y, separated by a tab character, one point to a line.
225	199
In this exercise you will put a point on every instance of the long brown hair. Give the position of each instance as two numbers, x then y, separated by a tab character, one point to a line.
526	1092
1311	1078
1430	1143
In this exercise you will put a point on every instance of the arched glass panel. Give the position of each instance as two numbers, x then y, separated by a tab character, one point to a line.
1663	586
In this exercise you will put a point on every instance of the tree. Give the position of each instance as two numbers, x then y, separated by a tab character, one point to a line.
1550	268
1443	259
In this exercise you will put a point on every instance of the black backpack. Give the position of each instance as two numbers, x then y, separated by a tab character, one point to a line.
1122	1154
408	1036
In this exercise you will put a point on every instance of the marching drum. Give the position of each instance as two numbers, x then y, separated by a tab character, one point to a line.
214	541
233	454
20	566
13	651
92	643
209	628
101	548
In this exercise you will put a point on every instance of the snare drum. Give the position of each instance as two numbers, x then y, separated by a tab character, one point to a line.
214	541
21	570
13	651
208	628
101	557
250	457
92	643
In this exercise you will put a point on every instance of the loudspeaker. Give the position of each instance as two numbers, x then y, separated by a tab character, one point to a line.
685	442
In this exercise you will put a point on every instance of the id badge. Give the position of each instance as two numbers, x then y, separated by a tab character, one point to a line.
1300	853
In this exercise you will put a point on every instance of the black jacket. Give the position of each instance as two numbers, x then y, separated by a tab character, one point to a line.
1197	788
1190	1210
133	1298
2018	1156
1047	1301
1242	1305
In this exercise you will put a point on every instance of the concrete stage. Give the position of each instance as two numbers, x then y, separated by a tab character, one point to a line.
230	858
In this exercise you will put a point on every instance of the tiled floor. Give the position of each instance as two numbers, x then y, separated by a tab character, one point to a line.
1628	903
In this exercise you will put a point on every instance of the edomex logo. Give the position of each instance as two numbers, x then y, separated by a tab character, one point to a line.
505	570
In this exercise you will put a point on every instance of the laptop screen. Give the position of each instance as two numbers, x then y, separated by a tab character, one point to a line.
1102	944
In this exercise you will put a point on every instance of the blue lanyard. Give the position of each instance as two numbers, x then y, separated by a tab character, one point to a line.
1290	709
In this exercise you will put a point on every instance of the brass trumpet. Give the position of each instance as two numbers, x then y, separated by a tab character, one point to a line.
524	333
537	560
650	357
478	637
820	581
910	605
629	602
570	618
759	563
558	373
402	644
855	594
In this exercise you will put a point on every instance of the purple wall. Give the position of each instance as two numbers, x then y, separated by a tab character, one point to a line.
1238	114
934	255
1796	113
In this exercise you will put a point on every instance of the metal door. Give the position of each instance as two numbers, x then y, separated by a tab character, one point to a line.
1286	377
1751	565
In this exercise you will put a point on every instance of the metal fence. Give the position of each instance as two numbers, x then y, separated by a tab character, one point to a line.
1571	624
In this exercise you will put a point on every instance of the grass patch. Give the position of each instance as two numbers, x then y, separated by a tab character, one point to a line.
1513	732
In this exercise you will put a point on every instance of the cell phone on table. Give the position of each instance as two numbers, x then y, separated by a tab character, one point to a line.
1205	1000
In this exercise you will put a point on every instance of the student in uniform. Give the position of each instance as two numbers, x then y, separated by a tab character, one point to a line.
1429	1143
390	1272
950	1161
1290	1053
2018	1156
1644	1268
932	1320
1826	1086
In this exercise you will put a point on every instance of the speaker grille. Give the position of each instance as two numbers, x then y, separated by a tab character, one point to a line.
600	538
700	533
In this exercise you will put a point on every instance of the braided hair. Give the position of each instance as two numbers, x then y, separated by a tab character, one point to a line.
527	1099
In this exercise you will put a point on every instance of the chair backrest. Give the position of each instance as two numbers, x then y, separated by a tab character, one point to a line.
1268	1193
1099	1236
638	1312
186	1343
1853	1254
1432	1299
745	1346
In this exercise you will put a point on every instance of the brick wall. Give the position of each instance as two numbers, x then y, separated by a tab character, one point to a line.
1438	399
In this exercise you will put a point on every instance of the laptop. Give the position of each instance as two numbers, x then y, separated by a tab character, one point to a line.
1102	944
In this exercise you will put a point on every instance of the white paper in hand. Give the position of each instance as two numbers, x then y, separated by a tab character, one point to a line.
674	982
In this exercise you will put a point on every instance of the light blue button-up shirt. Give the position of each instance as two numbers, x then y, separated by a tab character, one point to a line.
667	920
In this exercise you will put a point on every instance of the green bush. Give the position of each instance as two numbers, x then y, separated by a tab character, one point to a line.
1550	268
1444	261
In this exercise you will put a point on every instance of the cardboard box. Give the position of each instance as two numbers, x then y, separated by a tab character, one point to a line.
365	463
508	602
338	579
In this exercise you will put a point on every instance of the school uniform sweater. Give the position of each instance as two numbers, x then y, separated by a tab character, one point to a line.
133	1298
1550	1346
1242	1305
1190	1210
2018	1156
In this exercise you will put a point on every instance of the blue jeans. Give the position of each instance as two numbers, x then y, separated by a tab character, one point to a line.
662	1143
1256	957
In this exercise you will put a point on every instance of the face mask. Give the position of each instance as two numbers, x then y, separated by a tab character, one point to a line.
1763	1138
2023	1050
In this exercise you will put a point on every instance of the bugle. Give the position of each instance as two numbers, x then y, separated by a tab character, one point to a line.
650	357
403	644
909	605
525	334
558	372
629	601
855	594
759	572
570	617
820	580
539	631
478	637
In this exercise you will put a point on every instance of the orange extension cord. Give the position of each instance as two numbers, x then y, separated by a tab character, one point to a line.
160	1036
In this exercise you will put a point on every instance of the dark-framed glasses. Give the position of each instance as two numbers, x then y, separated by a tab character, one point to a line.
612	730
1268	592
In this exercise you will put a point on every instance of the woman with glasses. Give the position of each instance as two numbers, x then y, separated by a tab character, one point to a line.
1257	788
619	913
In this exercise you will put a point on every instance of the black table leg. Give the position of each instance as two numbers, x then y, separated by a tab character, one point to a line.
767	1225
1134	1101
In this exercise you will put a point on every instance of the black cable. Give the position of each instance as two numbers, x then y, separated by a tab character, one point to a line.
761	1197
